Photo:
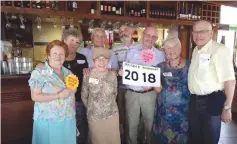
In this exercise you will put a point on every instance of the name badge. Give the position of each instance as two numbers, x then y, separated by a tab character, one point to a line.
204	59
81	61
167	74
93	81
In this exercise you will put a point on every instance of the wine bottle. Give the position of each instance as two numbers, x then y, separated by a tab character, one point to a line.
109	8
131	10
17	3
92	8
102	7
8	3
74	6
26	4
113	8
105	8
38	4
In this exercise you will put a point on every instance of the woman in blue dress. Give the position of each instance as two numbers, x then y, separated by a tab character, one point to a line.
54	108
171	112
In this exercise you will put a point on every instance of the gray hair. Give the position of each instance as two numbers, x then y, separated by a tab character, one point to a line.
95	30
72	32
173	40
205	22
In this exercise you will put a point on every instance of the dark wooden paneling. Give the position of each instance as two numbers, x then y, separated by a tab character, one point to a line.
16	110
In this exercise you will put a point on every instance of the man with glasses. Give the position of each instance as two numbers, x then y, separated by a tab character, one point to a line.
120	51
99	38
211	81
140	98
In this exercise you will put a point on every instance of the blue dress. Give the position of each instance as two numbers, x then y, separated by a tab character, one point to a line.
54	121
170	124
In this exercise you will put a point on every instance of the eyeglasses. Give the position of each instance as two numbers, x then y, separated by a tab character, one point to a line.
201	32
147	36
101	58
99	36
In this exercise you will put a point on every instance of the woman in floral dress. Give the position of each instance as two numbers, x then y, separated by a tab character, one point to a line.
171	112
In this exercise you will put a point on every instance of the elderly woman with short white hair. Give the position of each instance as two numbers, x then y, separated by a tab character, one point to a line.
171	112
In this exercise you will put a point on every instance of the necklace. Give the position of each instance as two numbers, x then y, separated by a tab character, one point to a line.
176	65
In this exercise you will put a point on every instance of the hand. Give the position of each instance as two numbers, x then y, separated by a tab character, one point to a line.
226	116
120	72
40	65
114	71
158	89
86	71
65	93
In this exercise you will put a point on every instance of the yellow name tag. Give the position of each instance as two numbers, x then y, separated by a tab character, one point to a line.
72	81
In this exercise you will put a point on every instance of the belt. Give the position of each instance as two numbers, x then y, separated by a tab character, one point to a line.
141	91
205	96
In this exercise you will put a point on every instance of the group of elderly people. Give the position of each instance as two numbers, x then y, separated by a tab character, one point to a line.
188	107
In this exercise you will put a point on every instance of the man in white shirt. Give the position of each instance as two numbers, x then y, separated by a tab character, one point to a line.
211	81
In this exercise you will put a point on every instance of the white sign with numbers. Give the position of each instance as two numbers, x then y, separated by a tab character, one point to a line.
138	75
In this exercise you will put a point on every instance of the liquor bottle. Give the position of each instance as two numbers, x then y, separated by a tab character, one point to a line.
132	10
144	11
48	4
199	13
17	3
26	4
92	8
113	8
121	9
181	11
8	3
105	7
117	9
192	12
54	5
174	13
38	4
33	3
135	10
102	7
43	4
74	6
109	8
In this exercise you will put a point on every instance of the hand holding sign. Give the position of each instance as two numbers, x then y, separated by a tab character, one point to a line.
138	75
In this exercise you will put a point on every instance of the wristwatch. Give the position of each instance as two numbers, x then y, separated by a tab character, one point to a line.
227	107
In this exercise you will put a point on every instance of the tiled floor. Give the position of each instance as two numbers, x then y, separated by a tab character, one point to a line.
229	132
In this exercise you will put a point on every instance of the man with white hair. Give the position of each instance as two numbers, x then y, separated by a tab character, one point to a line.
138	98
211	81
98	37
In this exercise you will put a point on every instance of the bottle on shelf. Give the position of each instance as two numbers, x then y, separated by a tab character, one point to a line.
102	7
74	6
132	13
38	4
8	3
109	8
26	4
105	7
17	3
92	8
114	8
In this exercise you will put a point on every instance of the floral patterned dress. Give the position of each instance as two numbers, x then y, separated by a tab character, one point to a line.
172	106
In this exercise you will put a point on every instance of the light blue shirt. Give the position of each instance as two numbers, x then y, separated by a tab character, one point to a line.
113	62
48	80
134	57
120	52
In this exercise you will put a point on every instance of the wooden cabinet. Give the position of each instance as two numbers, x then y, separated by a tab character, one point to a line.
16	110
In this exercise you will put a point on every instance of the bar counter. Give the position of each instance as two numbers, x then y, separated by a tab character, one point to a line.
16	110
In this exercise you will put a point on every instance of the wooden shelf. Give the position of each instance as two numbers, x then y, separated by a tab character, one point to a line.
91	16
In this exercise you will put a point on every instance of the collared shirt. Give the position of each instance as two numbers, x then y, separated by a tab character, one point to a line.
210	67
120	52
113	62
134	57
48	80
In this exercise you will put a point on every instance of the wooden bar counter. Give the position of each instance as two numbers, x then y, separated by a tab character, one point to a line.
16	110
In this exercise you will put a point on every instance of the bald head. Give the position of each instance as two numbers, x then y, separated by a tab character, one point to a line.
149	37
205	24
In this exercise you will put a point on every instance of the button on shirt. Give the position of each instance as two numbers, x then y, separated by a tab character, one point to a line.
121	53
134	57
113	62
210	67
